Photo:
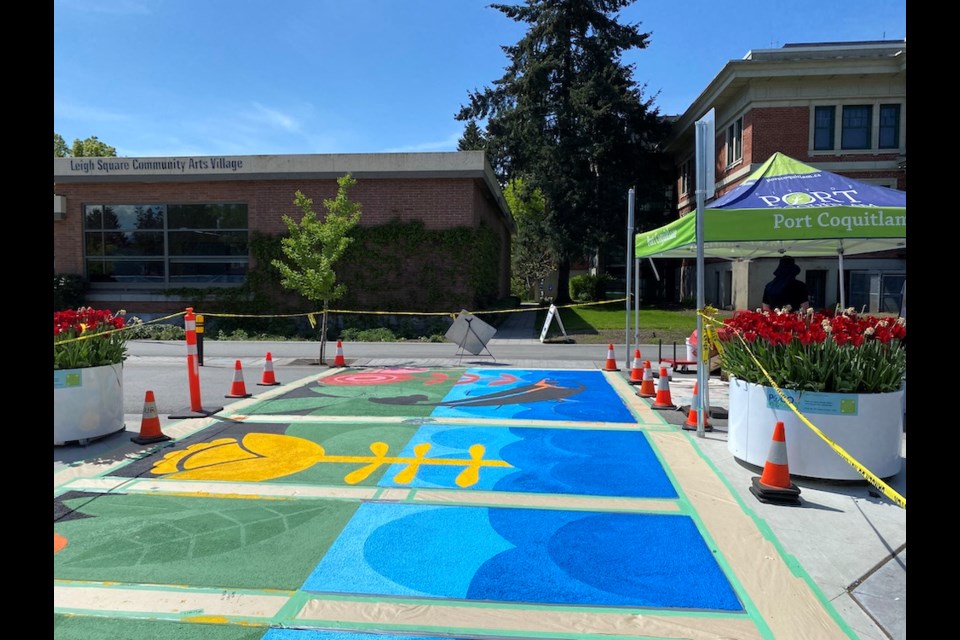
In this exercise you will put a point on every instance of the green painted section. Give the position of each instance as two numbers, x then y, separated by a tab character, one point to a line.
66	627
346	440
262	544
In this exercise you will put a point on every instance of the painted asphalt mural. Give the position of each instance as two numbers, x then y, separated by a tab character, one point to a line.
452	490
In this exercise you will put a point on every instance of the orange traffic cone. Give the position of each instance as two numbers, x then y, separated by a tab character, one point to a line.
691	423
636	373
150	424
339	361
611	364
646	385
774	484
268	379
238	389
663	399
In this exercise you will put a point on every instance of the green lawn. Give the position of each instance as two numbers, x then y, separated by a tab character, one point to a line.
607	323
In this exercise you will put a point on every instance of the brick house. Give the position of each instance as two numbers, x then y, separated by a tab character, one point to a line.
840	107
139	229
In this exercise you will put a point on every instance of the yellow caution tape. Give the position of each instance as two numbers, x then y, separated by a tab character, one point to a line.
311	315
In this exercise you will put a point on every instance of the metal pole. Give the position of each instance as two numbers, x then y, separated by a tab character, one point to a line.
636	301
702	378
626	286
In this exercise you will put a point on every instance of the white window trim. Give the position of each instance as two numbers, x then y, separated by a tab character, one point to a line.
726	132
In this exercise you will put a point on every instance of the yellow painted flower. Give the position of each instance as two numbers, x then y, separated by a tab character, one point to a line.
258	457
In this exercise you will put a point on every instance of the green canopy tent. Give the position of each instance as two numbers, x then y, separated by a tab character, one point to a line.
787	207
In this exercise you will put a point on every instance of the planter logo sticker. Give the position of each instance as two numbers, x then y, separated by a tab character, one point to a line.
67	379
830	404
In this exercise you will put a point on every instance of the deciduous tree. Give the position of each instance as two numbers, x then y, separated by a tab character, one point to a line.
312	247
91	147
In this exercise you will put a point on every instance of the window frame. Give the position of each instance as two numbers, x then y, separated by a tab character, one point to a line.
734	139
895	127
876	107
832	129
856	131
164	276
687	177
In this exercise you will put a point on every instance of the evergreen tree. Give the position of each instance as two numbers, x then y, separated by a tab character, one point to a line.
472	139
569	119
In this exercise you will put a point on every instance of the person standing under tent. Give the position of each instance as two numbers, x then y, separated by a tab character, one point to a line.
785	290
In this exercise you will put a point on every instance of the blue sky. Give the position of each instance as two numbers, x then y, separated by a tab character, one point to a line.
239	77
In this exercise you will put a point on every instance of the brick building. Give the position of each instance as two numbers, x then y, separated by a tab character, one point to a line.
139	229
840	107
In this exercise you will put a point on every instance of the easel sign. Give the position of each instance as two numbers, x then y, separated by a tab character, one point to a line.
471	334
551	314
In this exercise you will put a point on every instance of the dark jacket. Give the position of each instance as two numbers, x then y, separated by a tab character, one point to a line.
785	290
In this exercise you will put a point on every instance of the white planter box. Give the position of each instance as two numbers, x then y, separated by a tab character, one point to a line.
87	403
868	426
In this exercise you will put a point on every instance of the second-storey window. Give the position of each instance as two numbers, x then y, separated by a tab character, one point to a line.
686	177
824	119
856	126
889	126
735	141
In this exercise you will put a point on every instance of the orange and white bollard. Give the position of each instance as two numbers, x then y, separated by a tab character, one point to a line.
196	409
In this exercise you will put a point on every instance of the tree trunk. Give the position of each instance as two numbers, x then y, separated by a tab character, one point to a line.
323	333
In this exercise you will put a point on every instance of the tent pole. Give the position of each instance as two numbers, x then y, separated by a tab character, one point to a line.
840	258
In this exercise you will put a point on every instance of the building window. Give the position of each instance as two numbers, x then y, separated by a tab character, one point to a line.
824	119
856	127
889	126
686	176
735	141
861	127
166	244
816	280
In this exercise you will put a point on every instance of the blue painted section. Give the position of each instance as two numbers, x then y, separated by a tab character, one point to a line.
525	555
565	461
588	397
